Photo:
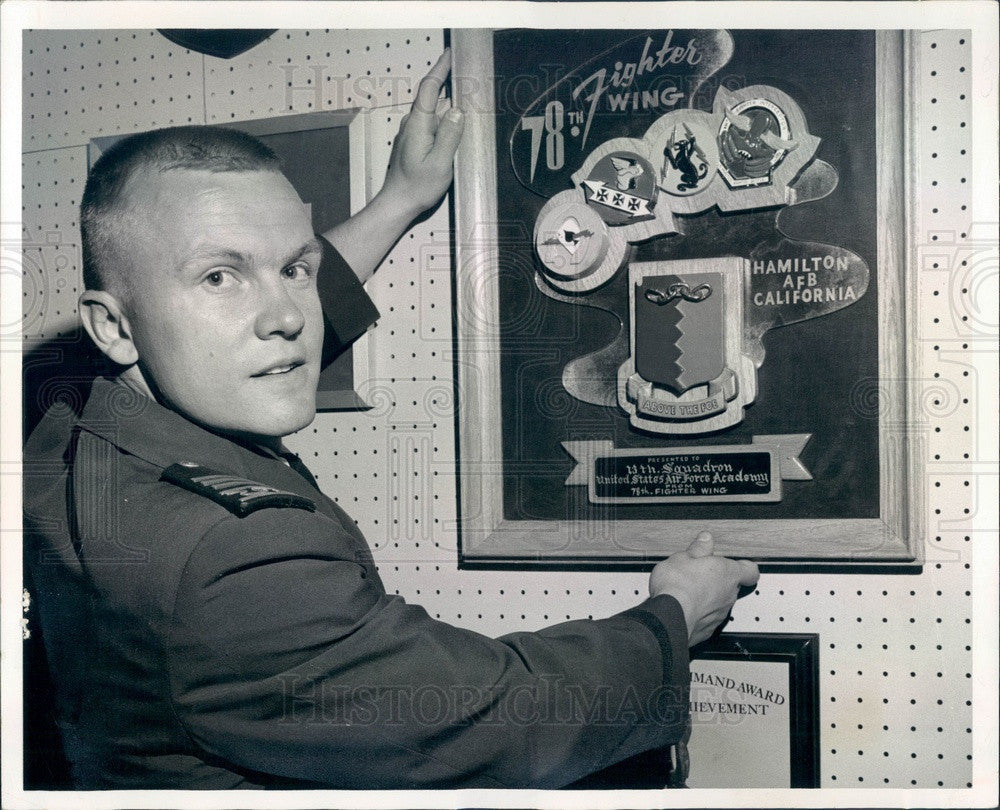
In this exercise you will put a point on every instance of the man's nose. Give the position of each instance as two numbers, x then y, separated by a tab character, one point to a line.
279	315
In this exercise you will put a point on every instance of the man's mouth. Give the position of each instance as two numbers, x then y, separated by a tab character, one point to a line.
282	369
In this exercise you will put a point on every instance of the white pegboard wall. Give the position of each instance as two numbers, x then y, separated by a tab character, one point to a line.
51	275
82	84
304	71
895	650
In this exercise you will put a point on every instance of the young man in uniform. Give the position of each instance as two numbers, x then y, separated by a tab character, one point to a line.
211	619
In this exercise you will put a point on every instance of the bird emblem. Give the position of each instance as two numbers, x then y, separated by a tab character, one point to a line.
627	171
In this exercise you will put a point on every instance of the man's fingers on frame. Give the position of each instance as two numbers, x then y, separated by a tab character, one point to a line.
748	572
701	546
424	107
449	133
429	88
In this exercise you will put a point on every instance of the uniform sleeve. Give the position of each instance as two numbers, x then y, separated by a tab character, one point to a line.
347	309
287	659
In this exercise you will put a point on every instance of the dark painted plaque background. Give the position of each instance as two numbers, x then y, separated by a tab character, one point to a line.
805	384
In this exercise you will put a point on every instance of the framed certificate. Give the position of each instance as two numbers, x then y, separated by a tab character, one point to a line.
754	720
681	296
755	712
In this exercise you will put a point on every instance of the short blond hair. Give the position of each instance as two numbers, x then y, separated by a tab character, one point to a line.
208	148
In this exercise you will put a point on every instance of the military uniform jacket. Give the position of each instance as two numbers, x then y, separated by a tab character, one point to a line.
212	620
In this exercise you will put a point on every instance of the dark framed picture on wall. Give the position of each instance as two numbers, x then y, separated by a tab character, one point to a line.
682	297
337	141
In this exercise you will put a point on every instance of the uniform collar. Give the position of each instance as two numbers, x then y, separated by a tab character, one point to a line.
143	428
147	430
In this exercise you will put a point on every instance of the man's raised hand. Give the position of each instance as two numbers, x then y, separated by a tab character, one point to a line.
419	173
706	586
420	167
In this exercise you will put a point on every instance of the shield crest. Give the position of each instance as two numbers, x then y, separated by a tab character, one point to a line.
680	329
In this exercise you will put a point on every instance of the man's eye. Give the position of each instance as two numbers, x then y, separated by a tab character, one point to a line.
296	272
218	278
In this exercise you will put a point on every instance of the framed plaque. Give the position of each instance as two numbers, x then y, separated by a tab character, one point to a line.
681	296
754	720
755	712
336	140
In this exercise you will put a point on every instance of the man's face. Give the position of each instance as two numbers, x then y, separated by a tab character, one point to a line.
224	308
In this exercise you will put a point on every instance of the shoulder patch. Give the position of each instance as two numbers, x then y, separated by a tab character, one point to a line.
239	495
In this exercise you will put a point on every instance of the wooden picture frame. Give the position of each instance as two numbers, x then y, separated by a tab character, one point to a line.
337	140
490	247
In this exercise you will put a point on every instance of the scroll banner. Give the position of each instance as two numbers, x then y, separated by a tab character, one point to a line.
720	390
720	473
622	201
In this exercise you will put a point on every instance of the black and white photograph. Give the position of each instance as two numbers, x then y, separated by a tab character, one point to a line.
499	404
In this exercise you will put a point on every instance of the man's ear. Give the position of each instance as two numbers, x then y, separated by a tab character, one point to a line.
105	321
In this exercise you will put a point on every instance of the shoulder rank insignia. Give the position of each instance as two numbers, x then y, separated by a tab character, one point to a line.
239	495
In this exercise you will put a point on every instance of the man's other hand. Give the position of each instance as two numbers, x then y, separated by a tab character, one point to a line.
419	173
706	586
420	167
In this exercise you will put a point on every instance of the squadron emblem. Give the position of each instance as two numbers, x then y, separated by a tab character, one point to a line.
570	238
754	139
690	158
621	188
569	235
